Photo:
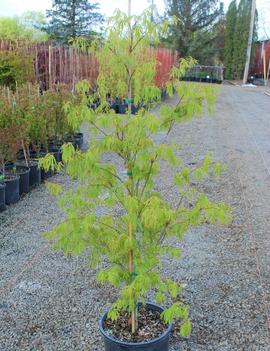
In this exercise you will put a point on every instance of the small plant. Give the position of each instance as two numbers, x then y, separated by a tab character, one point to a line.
54	113
133	242
9	146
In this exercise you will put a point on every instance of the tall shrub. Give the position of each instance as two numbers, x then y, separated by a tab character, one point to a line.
231	18
241	34
124	220
16	68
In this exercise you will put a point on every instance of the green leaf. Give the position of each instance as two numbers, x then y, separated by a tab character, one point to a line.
185	329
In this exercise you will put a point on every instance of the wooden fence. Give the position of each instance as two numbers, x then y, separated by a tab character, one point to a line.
258	68
65	64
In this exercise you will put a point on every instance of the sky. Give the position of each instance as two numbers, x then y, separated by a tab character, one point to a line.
107	7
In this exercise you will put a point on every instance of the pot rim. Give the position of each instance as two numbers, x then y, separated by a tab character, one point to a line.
126	343
14	178
33	162
24	170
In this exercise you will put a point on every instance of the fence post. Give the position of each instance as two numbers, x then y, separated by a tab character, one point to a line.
50	66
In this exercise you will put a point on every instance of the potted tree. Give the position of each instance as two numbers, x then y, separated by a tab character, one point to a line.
124	223
9	146
23	104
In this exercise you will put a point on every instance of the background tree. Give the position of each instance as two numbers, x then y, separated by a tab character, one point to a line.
231	19
70	19
240	41
191	34
28	26
219	41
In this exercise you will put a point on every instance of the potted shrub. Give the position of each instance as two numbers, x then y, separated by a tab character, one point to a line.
9	146
22	112
128	245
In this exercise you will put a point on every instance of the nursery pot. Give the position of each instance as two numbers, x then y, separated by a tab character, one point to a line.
56	153
34	174
12	189
46	174
122	108
2	197
77	142
79	139
160	343
23	173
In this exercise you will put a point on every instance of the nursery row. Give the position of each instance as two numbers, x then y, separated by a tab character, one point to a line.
205	79
19	177
35	123
32	124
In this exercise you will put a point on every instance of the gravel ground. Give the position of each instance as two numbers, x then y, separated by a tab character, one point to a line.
51	302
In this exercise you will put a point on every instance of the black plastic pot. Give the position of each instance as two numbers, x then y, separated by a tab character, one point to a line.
46	175
158	344
77	142
12	189
56	153
43	174
79	139
23	173
34	174
163	94
2	197
122	108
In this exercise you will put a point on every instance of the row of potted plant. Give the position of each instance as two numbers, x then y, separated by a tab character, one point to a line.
203	79
32	124
17	179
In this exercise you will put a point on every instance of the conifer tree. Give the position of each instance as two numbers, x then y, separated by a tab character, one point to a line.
137	224
231	18
241	34
191	33
70	19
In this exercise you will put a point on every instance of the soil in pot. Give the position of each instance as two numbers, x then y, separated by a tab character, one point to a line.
152	333
2	197
23	173
12	189
150	326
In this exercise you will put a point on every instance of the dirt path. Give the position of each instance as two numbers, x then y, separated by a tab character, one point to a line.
52	303
231	289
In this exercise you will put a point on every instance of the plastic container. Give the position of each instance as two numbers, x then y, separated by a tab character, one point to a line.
12	189
2	197
160	343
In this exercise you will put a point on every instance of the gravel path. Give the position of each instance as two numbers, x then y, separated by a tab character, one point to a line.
52	303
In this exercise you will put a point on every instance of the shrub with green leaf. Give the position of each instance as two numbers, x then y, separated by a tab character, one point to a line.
9	141
16	68
39	117
123	220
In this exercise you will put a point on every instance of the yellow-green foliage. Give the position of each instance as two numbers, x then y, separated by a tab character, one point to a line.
132	139
16	68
